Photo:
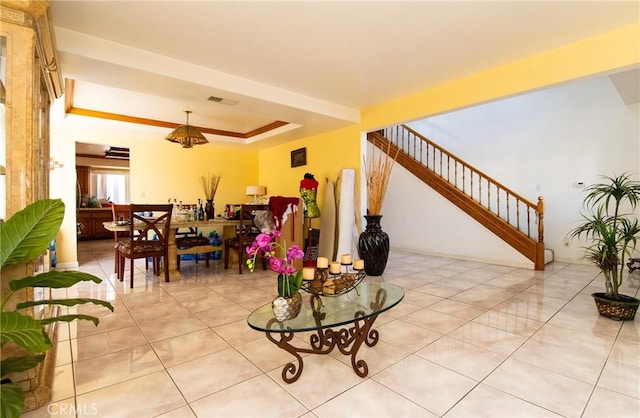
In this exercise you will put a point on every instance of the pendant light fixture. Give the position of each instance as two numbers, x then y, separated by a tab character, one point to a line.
187	135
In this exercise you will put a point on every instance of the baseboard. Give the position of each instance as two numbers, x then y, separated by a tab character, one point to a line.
548	256
67	266
524	264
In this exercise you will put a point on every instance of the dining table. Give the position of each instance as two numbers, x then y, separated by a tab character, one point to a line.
228	227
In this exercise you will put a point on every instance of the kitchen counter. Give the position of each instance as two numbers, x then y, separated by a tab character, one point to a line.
107	209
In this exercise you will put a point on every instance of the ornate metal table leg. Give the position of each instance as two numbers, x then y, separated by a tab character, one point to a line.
371	338
320	338
348	340
291	373
352	338
283	343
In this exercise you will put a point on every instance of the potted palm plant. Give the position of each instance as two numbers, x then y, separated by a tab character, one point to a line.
611	227
23	336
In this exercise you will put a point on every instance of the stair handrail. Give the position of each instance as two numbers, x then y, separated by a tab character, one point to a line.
471	167
396	137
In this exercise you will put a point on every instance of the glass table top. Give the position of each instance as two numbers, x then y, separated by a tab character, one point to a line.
318	312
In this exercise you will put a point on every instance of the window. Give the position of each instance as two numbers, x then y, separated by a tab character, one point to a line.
109	184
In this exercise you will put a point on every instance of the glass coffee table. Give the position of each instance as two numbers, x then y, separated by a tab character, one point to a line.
343	322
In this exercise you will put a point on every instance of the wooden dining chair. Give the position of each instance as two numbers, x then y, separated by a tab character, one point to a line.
119	212
191	240
246	231
149	237
122	212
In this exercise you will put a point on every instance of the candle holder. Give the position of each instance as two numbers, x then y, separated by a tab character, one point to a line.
321	274
332	266
325	283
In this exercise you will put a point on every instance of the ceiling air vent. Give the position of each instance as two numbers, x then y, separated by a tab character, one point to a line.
222	100
117	153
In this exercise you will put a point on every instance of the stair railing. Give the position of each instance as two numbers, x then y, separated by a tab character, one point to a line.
513	209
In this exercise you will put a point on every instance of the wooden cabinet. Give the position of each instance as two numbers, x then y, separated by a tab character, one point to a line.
99	217
84	224
92	221
82	175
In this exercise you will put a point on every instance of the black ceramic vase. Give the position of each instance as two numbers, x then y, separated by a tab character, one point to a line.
209	209
373	246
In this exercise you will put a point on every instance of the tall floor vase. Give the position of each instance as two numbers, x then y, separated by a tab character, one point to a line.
373	246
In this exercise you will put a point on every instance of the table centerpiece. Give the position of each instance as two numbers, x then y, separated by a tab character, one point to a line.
210	185
289	301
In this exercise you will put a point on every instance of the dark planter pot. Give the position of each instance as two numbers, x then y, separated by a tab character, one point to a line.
622	308
373	246
209	209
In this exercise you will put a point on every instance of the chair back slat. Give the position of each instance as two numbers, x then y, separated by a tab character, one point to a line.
140	244
247	216
244	234
158	224
119	211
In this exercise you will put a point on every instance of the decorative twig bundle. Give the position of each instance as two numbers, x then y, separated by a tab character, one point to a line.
377	172
210	185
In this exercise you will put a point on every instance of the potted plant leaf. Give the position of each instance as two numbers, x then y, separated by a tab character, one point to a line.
610	226
23	238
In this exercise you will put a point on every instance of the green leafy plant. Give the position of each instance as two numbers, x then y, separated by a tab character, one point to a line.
23	238
612	233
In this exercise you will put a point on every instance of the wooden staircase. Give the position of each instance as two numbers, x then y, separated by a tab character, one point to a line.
508	215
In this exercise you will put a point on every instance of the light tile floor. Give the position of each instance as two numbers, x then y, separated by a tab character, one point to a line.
468	340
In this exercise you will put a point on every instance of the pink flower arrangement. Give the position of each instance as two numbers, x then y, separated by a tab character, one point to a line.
289	279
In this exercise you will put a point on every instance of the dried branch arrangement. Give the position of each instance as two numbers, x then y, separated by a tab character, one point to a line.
377	171
210	185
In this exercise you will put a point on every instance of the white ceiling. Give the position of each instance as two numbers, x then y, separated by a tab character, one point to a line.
314	65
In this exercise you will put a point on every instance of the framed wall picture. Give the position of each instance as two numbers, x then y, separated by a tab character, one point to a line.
299	157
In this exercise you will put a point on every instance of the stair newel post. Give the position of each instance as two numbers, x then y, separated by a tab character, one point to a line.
539	263
540	211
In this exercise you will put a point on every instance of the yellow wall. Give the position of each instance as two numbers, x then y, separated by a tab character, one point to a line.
161	170
608	52
173	172
328	153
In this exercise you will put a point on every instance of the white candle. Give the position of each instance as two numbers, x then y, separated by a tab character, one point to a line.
358	264
334	268
322	262
345	259
308	273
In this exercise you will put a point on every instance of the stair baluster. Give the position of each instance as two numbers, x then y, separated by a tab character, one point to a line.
499	209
